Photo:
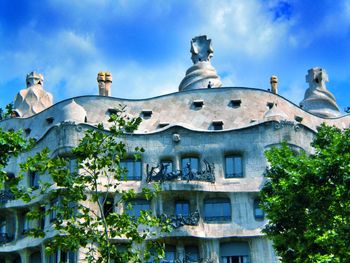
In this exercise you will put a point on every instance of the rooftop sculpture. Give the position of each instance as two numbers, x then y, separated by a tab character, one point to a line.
202	74
34	98
318	100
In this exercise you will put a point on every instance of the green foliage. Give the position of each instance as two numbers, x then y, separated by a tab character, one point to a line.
81	185
7	113
307	199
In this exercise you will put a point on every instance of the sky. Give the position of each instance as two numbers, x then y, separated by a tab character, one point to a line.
146	44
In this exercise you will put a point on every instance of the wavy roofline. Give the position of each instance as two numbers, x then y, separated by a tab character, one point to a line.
176	93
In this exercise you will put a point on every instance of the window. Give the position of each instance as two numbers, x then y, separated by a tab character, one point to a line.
168	166
133	169
233	166
137	207
258	212
236	103
35	257
218	125
191	254
234	252
170	255
108	206
68	257
189	162
218	209
53	258
182	208
53	210
33	180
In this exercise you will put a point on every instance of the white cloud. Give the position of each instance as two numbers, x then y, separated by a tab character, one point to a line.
244	26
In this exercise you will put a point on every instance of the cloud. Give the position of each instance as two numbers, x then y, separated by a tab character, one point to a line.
247	27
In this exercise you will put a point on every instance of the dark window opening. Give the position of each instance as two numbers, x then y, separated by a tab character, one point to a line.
33	180
233	166
189	163
108	206
146	114
236	103
182	208
137	206
270	105
198	103
49	120
218	125
132	169
167	166
298	118
259	214
191	254
217	209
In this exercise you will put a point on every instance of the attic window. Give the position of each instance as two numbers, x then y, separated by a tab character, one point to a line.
146	114
218	125
270	105
163	124
49	120
27	131
198	103
112	111
298	118
236	103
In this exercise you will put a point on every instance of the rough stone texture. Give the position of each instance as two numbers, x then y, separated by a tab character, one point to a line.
202	74
34	98
253	121
318	100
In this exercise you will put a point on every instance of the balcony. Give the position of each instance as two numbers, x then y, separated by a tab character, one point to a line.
5	238
5	196
159	174
177	221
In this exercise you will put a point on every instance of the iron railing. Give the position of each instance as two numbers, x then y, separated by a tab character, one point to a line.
159	173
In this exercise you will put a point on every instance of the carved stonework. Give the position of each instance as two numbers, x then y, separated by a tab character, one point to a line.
34	98
318	100
160	174
202	74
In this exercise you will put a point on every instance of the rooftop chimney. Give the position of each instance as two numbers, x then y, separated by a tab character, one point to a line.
104	80
274	84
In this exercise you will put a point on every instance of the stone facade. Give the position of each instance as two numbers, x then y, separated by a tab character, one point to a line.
222	133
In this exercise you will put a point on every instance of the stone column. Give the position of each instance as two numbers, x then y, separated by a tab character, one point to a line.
25	256
180	252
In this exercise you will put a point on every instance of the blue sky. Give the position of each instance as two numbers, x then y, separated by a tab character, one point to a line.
145	44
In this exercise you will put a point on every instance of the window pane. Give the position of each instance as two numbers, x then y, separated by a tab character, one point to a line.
233	166
168	166
193	162
258	212
133	167
191	254
217	210
137	207
182	208
137	170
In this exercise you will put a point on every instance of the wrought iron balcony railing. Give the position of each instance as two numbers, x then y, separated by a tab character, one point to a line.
5	196
177	221
160	174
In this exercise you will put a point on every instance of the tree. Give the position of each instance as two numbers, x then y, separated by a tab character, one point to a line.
307	199
80	203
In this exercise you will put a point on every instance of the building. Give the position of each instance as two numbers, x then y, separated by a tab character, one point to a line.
209	141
